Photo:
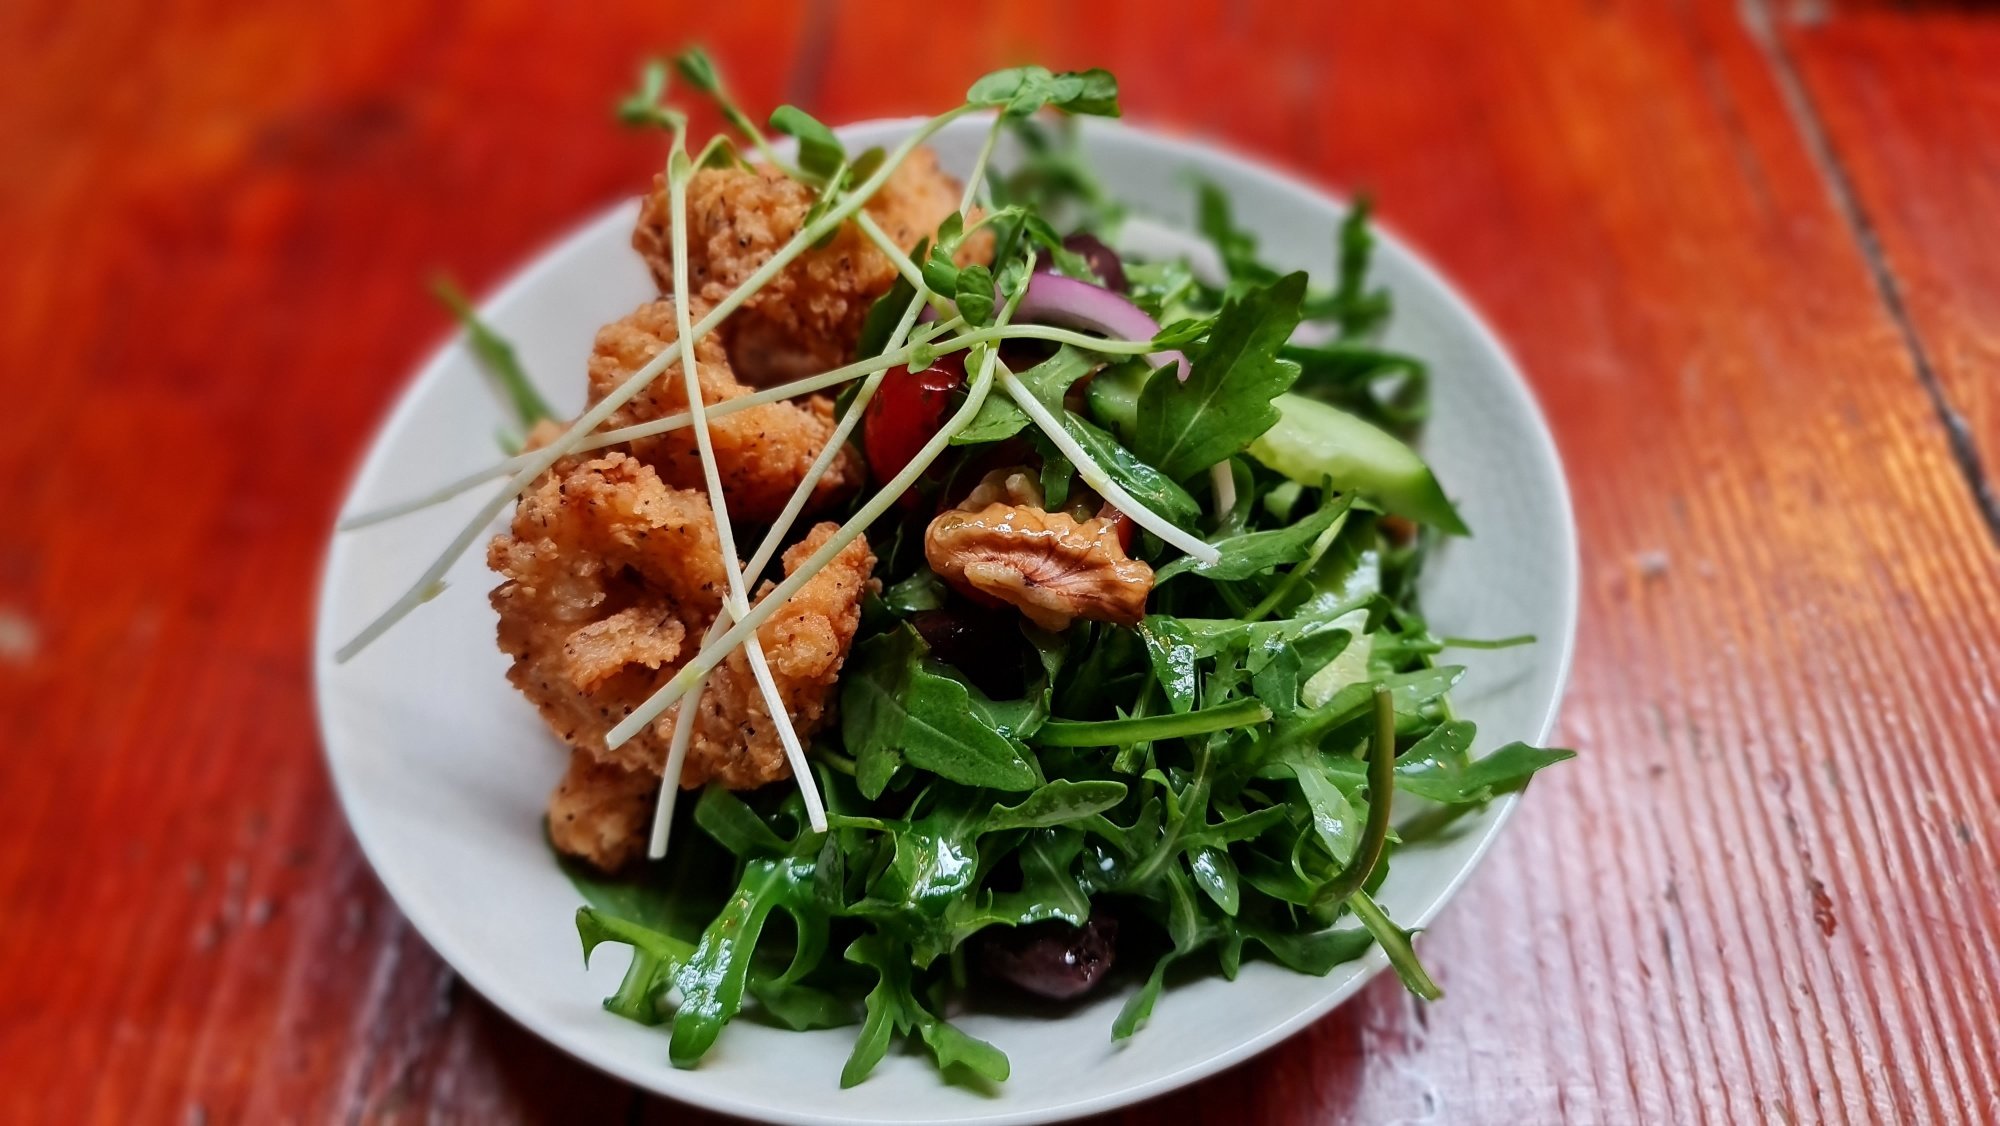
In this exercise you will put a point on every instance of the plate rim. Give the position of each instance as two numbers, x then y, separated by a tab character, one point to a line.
522	1010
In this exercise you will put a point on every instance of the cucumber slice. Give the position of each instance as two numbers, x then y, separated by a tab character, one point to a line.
1312	442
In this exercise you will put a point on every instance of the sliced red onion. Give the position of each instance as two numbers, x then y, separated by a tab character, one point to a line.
1057	300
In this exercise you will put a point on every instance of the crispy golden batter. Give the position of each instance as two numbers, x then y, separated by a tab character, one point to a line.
601	811
607	573
809	317
610	576
805	643
763	452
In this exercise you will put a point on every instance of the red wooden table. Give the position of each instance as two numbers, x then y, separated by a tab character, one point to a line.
1749	253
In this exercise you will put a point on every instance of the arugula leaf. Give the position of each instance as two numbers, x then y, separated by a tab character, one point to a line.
1146	729
1148	485
1226	403
1215	873
1508	769
886	313
723	816
1313	952
655	956
1056	803
1171	650
1233	829
1395	942
1334	821
893	1009
1185	929
895	705
1359	310
873	685
1050	380
1235	246
1253	553
801	1008
712	979
922	590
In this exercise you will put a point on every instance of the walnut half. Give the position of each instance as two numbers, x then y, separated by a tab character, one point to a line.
1046	564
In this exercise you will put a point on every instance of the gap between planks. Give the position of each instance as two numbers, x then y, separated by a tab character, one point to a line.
1761	23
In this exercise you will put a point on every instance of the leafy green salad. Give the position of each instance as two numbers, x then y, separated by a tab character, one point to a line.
1031	797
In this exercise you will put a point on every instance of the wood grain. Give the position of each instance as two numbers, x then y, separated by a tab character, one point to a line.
1907	106
1746	261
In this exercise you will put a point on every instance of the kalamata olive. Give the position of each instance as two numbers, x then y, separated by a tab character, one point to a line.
1053	959
907	410
977	642
1104	261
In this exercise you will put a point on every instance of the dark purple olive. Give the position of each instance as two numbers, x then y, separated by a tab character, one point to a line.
1053	959
978	642
1104	261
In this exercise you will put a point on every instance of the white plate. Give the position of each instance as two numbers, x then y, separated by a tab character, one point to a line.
443	770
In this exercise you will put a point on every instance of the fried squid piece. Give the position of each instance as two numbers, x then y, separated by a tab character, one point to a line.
607	572
601	811
610	579
805	643
763	452
808	318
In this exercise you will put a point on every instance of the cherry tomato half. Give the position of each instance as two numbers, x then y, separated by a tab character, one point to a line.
1121	524
907	410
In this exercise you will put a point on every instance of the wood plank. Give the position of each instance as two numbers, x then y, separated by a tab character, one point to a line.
219	225
1770	890
1624	190
1906	100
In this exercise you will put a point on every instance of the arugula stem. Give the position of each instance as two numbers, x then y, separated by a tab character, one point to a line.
1381	791
1194	798
1395	944
679	170
1297	576
1147	729
1480	643
428	584
834	760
